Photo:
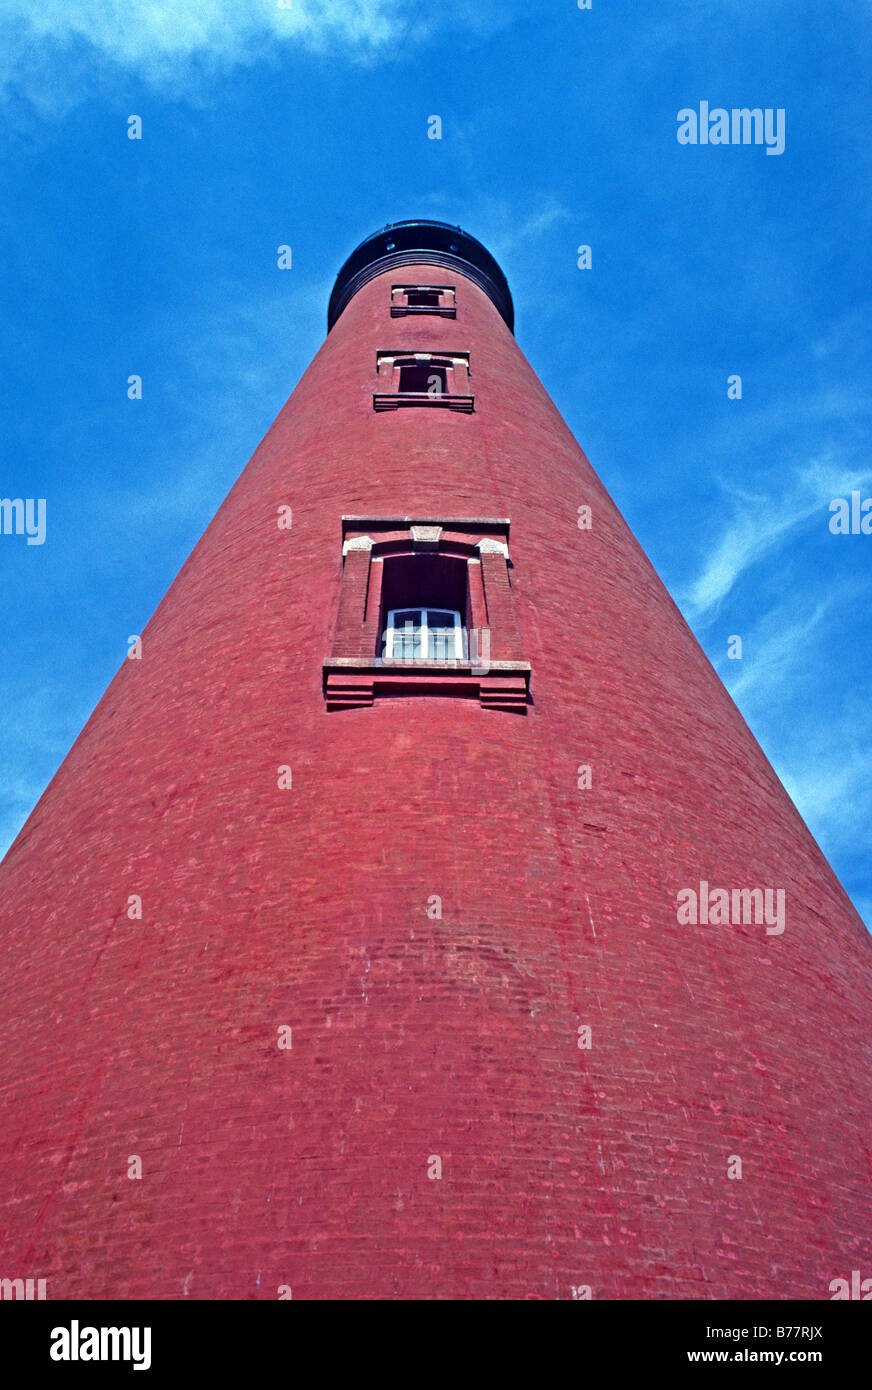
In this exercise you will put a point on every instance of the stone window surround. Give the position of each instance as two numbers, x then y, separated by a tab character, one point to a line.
495	673
446	308
457	395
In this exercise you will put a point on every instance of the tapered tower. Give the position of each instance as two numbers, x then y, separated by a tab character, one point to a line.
416	916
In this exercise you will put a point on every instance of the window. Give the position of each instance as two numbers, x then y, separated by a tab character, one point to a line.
424	634
424	604
423	299
423	378
426	608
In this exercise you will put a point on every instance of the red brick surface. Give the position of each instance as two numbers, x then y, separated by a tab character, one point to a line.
411	1036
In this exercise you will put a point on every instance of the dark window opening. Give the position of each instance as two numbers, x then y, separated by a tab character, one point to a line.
424	378
423	299
425	608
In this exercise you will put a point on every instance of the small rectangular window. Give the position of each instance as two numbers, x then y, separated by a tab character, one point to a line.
423	299
423	378
406	636
444	635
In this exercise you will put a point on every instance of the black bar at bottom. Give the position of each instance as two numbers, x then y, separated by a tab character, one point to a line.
364	1340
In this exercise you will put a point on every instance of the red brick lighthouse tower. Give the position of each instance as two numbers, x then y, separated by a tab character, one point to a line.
416	916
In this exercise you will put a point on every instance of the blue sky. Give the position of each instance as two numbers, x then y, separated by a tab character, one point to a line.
307	125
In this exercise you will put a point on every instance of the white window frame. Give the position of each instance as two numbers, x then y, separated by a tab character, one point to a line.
425	633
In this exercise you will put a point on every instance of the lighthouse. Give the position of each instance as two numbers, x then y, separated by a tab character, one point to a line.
416	916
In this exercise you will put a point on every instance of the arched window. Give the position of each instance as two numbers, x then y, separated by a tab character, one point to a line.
424	634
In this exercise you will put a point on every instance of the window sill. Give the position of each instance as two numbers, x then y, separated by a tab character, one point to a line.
396	400
350	683
446	311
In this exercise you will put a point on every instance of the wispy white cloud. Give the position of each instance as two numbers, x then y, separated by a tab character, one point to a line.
511	234
759	524
817	744
49	50
781	642
153	37
495	220
827	772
